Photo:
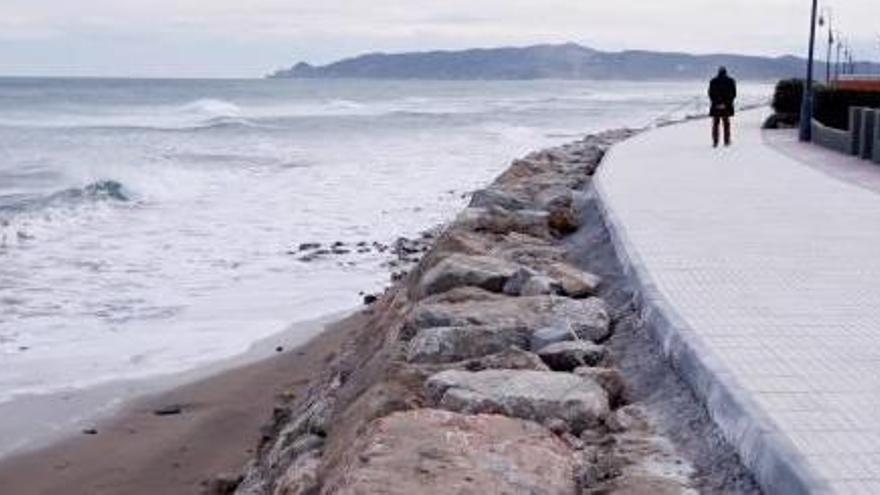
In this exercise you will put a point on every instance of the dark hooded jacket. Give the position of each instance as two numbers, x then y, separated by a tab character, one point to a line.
722	93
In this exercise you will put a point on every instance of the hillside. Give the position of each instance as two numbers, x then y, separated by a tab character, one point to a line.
568	61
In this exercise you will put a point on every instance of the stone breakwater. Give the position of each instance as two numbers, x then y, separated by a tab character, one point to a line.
485	369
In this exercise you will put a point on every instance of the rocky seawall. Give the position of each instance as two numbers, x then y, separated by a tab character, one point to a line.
500	363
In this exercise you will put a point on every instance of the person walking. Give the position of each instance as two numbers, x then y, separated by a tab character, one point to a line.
722	93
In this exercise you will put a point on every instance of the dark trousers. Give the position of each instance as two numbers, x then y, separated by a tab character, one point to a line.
716	121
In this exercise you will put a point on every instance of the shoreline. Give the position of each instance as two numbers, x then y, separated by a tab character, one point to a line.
38	421
221	419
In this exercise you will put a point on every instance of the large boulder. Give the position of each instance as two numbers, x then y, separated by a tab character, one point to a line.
433	452
575	282
540	285
453	344
588	318
512	358
566	356
515	283
540	396
493	196
498	220
546	336
563	221
459	270
301	476
609	378
470	306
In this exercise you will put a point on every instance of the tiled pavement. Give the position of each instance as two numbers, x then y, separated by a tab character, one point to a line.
773	264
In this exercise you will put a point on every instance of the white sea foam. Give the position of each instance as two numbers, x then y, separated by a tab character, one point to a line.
192	265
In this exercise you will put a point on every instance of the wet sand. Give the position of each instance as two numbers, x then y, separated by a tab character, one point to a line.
136	451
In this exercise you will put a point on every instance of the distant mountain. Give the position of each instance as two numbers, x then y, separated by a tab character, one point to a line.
568	61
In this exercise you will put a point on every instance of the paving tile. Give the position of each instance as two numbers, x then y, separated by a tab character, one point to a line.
774	262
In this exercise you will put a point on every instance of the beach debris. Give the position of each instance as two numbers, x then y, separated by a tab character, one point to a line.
168	410
279	348
90	431
370	299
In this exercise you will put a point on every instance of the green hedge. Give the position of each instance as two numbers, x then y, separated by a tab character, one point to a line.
831	106
787	98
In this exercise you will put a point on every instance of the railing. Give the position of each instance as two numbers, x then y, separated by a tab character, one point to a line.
861	139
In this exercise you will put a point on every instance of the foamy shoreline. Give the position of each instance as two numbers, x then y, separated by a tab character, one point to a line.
36	421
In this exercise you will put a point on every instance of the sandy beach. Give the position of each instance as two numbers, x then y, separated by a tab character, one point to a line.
136	451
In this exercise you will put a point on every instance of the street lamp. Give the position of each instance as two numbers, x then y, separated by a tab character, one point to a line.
806	133
837	61
827	14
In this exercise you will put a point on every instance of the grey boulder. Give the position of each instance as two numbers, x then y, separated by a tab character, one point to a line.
566	356
434	452
540	285
460	270
470	306
486	198
453	344
539	396
498	220
587	317
574	282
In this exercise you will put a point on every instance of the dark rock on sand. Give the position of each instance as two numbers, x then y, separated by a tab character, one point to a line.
168	410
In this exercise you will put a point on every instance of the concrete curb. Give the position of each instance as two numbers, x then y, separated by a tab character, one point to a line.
771	457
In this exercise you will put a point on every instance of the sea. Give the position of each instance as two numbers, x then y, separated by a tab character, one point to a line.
149	227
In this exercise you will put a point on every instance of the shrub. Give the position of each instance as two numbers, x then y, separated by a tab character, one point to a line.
832	105
787	99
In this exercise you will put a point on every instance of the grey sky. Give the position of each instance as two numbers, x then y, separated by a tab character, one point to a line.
251	37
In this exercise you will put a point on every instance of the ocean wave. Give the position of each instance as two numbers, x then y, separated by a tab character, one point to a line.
194	115
98	191
208	113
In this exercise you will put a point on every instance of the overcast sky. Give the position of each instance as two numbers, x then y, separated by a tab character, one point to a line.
247	38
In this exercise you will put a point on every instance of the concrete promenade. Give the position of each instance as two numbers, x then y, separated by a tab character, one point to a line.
759	266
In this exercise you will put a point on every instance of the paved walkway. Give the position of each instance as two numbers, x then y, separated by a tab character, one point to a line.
771	263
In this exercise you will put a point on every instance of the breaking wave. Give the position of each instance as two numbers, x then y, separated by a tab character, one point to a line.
99	191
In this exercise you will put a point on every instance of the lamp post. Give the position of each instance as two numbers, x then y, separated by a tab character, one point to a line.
837	61
806	133
827	14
